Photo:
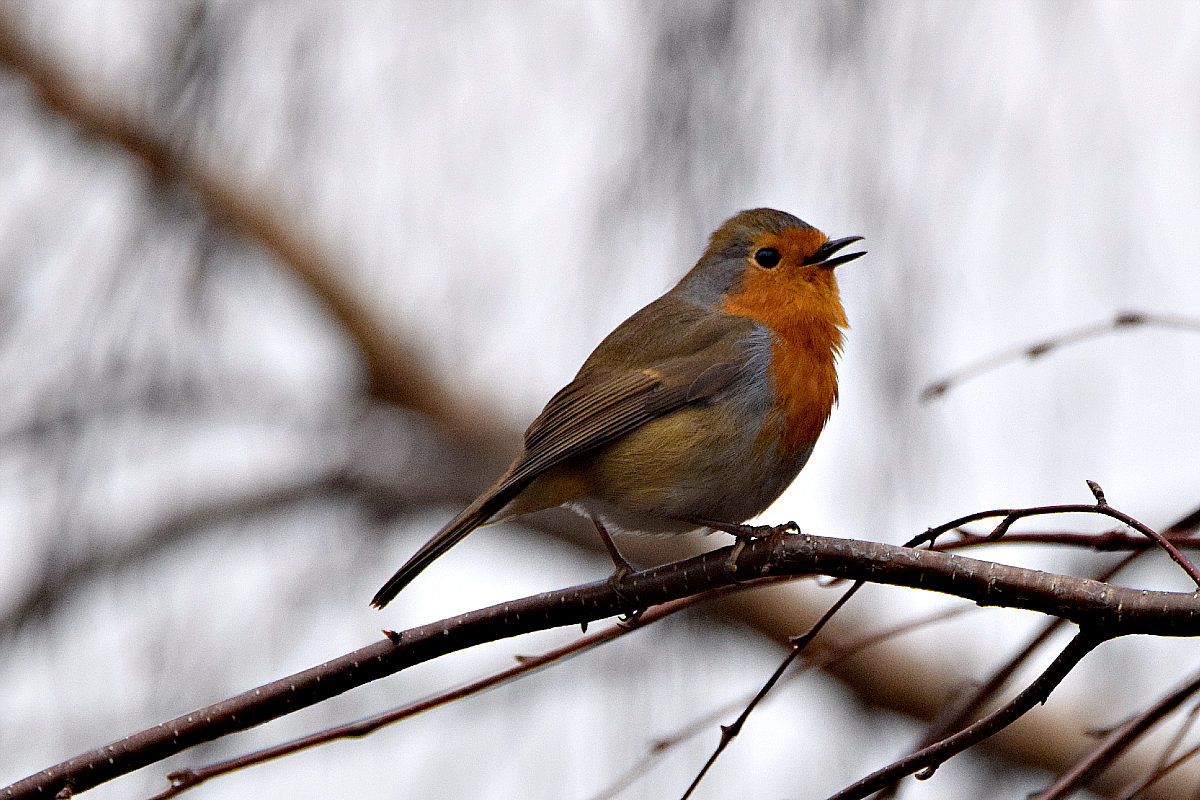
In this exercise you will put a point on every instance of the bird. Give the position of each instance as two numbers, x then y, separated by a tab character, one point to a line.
696	412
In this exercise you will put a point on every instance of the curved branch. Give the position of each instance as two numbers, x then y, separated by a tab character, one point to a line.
1011	515
182	780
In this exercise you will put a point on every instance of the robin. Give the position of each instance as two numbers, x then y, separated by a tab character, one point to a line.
697	411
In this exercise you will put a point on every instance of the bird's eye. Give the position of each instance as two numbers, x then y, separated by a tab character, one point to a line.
767	257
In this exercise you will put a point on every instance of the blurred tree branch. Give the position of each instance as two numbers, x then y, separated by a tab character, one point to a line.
396	373
1122	321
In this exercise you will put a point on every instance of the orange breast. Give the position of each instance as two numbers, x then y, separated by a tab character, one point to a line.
805	384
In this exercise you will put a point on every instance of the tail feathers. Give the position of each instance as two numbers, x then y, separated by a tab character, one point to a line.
455	531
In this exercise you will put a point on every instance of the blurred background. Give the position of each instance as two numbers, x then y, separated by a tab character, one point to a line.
281	283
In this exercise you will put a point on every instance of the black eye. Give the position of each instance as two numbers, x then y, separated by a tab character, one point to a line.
767	257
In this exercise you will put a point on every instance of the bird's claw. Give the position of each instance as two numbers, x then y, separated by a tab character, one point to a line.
731	563
631	619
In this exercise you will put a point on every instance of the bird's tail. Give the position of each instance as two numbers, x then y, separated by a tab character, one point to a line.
476	514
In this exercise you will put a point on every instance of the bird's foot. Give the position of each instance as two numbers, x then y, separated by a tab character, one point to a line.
749	533
616	582
622	570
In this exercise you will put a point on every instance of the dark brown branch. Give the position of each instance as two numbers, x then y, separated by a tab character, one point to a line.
957	716
1096	606
928	759
182	780
1124	319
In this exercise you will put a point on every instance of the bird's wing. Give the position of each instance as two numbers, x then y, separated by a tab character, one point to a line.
591	412
600	405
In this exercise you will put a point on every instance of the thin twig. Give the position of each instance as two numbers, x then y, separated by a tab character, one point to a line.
1124	319
1154	777
1118	741
1010	515
928	759
1185	727
826	658
1104	542
730	732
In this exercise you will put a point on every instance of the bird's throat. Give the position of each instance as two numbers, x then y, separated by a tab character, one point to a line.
807	340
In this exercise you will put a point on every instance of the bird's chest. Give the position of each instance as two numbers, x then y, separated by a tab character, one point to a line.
802	381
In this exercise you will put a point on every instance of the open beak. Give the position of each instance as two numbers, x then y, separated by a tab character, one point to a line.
822	256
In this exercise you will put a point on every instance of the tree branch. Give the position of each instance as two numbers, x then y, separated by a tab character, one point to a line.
929	758
1124	319
1118	741
182	780
1010	515
1095	606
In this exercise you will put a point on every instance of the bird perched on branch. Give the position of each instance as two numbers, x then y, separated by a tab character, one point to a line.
697	411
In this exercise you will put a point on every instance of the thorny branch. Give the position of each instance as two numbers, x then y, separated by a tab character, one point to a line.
957	715
952	723
182	780
185	779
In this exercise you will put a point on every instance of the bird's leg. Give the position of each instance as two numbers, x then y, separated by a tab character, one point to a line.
623	567
615	580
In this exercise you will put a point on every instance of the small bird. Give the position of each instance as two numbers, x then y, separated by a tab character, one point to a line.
697	411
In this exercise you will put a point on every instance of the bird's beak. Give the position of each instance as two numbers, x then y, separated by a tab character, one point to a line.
822	258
